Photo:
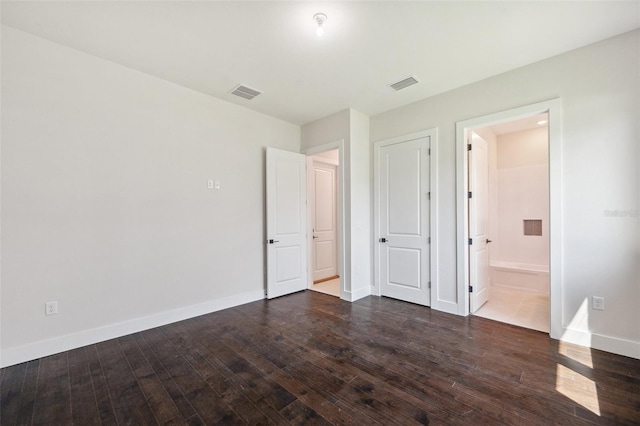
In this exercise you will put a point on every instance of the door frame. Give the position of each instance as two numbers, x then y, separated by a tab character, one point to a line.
553	108
433	208
340	245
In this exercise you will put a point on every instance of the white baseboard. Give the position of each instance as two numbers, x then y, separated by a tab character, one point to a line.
42	348
604	343
359	293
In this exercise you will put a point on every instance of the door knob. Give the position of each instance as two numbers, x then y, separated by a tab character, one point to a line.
488	241
383	240
314	237
273	241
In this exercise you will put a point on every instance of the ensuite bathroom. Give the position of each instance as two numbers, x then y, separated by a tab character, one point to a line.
518	222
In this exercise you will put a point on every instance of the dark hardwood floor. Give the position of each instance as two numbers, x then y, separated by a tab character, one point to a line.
310	358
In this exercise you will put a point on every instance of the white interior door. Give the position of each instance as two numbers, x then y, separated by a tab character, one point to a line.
404	221
286	222
478	222
324	213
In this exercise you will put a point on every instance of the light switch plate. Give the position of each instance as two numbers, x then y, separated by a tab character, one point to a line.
51	308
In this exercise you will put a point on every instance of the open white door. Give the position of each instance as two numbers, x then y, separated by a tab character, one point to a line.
324	209
404	221
286	222
478	222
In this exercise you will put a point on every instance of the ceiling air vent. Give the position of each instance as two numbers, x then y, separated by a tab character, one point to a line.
406	82
245	92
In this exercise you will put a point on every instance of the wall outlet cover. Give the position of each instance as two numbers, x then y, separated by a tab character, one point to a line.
597	303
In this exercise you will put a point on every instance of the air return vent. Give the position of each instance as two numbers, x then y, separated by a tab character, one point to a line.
245	92
532	227
404	83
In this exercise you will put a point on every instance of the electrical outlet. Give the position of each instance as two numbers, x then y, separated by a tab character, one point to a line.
597	303
51	308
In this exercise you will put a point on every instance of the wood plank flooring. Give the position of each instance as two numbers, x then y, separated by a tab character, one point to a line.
310	358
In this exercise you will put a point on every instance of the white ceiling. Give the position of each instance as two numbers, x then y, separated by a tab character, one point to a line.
271	46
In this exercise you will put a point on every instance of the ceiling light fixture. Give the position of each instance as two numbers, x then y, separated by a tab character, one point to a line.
320	19
541	122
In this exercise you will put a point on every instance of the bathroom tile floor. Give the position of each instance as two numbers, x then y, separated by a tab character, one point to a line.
331	287
517	307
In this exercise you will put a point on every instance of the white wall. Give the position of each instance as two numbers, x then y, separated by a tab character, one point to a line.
352	127
524	148
105	206
599	87
361	206
523	193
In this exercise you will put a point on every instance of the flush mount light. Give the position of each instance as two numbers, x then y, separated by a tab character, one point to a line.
320	19
541	122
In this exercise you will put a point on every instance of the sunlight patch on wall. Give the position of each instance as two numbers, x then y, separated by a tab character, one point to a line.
578	329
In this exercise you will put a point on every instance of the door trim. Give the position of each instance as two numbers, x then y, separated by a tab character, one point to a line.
553	108
433	208
341	245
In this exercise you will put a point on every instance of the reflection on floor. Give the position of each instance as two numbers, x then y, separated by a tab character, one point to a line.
331	287
517	307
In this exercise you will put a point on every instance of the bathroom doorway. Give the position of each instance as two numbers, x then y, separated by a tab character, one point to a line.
509	222
323	173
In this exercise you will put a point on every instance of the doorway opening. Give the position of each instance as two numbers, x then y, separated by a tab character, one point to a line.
322	178
509	222
330	157
467	272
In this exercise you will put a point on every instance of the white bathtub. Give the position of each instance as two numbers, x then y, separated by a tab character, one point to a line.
522	276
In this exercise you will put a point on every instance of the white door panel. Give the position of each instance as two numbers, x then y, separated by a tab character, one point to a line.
478	222
404	221
404	187
286	222
324	255
324	214
407	267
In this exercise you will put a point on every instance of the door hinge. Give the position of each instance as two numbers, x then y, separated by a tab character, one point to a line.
470	241
429	195
468	147
429	240
470	194
470	289
429	151
429	284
